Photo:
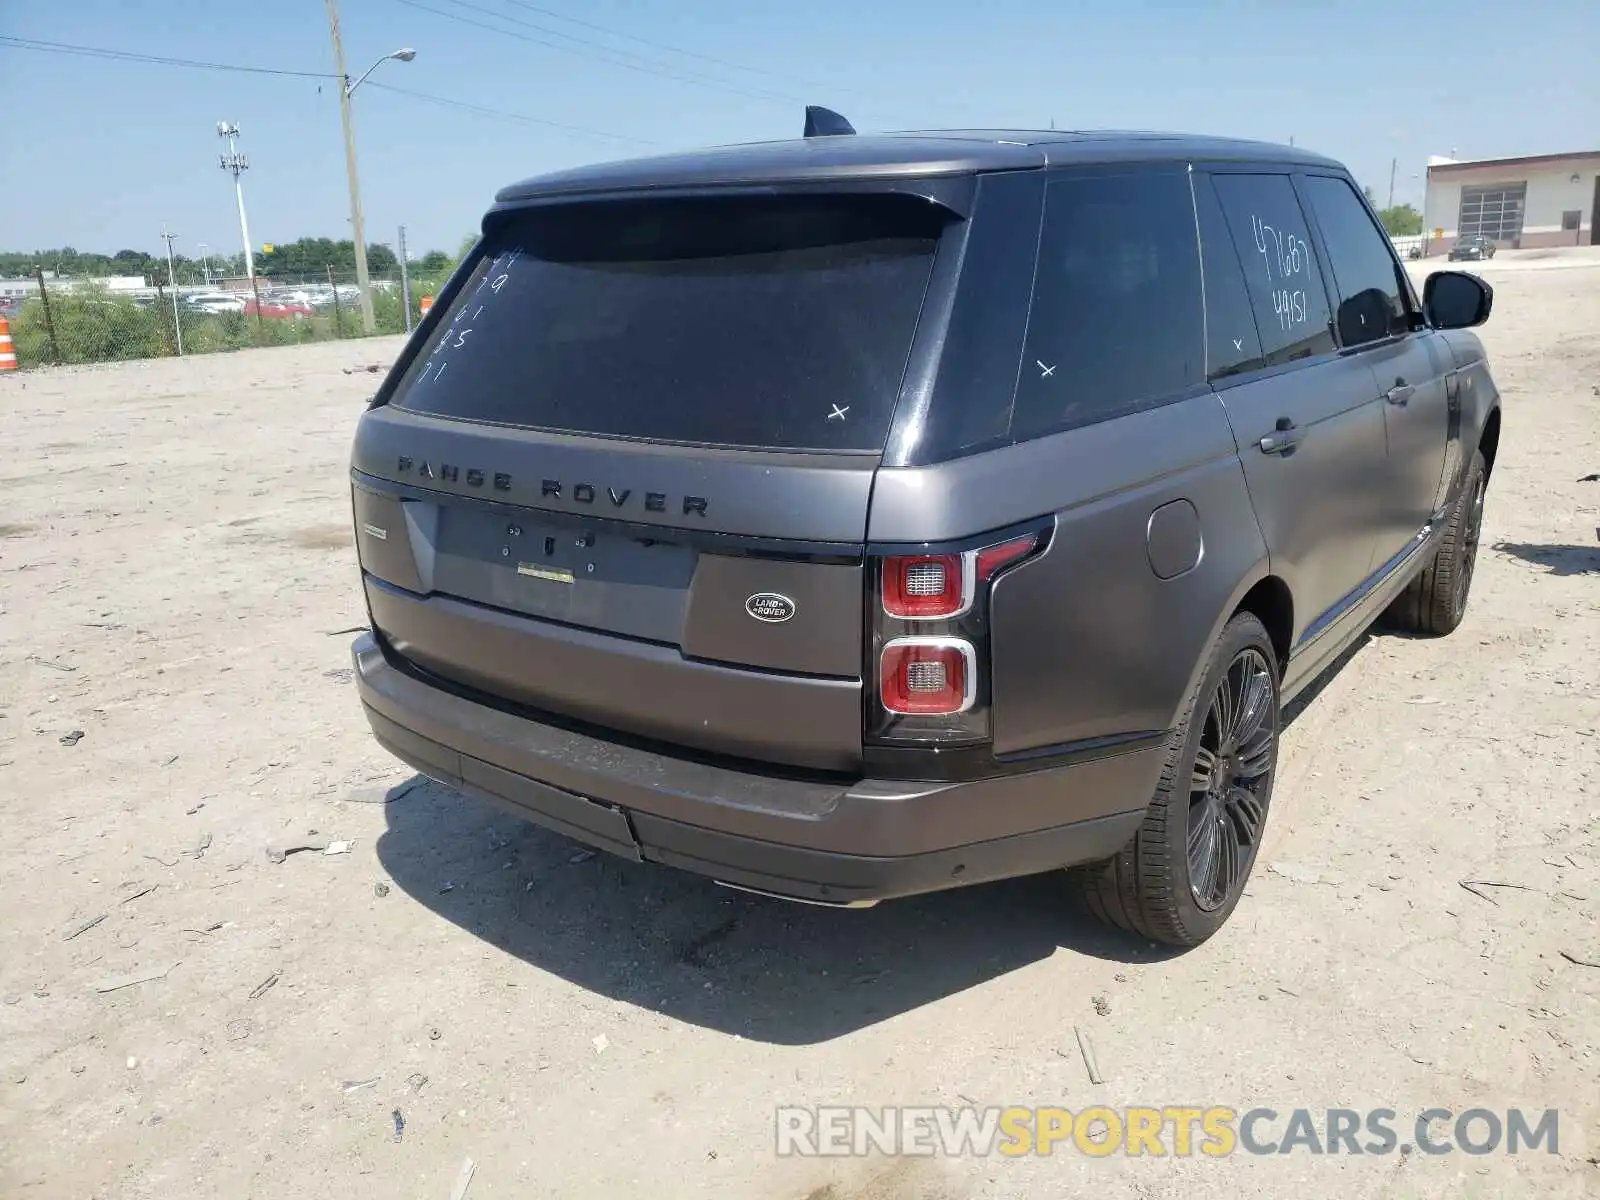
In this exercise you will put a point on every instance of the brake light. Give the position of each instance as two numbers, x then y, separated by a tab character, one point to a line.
994	559
930	648
928	676
924	586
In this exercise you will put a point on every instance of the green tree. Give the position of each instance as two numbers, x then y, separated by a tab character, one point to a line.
1401	220
380	259
311	257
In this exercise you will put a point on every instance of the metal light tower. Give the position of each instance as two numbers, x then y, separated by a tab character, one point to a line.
172	279
238	164
346	91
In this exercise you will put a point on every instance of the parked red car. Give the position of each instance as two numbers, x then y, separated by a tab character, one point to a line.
278	309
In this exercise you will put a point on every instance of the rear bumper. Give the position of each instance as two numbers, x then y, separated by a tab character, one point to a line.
826	841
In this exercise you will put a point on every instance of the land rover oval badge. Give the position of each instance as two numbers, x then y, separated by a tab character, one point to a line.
770	607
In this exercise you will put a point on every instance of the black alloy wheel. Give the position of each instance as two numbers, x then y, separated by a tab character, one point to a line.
1470	534
1231	782
1183	873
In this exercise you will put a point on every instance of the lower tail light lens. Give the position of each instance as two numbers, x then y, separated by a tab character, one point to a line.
928	676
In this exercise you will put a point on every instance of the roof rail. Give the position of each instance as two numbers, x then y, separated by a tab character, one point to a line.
823	122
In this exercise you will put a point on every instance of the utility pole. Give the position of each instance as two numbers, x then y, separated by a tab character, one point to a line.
49	317
238	164
405	280
172	278
357	228
1393	164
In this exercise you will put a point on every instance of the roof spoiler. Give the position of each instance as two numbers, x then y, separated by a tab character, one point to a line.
824	122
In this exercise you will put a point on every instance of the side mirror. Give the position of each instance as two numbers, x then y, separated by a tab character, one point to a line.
1456	300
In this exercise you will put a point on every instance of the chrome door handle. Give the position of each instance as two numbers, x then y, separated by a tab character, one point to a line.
1278	443
1399	394
1282	438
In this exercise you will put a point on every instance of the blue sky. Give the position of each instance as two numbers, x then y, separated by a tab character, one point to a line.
99	154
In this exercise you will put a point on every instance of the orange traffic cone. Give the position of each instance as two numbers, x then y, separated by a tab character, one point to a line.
425	304
8	351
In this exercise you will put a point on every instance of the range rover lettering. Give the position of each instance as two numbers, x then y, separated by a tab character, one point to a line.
895	513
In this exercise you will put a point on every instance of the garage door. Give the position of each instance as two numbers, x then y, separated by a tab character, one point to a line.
1494	210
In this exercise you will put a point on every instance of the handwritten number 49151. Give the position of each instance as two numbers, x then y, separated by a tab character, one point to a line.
456	339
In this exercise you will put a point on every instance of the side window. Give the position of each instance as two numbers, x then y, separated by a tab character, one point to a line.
1269	230
1117	323
1233	342
1364	270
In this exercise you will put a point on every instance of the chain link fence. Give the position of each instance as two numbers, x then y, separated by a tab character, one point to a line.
70	321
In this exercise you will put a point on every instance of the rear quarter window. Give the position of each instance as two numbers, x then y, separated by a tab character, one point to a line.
1233	343
1117	323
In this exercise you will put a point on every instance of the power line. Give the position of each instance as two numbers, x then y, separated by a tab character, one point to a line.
616	58
16	43
618	33
482	110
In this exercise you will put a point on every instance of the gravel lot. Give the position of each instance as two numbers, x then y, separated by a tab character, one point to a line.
177	583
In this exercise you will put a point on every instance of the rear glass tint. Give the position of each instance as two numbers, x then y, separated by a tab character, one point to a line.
1118	322
781	323
1234	343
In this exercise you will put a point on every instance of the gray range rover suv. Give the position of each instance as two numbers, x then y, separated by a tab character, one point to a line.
856	516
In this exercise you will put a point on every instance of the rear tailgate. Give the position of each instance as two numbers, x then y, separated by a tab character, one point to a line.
626	480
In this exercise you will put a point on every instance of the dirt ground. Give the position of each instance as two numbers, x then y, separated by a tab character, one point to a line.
177	582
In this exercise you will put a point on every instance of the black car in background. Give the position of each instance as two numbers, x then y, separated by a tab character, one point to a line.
1474	248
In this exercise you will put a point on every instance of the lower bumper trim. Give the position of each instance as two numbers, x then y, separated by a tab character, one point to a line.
750	864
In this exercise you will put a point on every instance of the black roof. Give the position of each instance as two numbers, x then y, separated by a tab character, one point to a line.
896	155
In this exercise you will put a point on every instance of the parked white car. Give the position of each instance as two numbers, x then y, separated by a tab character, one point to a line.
215	302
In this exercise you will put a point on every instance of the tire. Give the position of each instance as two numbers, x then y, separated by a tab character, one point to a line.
1161	884
1435	602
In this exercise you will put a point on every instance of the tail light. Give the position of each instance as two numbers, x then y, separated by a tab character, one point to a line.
927	676
922	587
930	644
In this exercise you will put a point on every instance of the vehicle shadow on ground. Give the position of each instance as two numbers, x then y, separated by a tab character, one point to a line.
680	945
1558	560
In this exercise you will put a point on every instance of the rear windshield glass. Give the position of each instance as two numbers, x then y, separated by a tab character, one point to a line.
780	322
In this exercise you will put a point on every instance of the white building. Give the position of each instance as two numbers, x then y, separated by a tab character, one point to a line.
116	285
1545	200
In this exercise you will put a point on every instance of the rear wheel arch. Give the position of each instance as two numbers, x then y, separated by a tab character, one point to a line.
1268	597
1271	602
1489	440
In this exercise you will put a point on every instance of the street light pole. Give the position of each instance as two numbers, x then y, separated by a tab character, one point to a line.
357	225
172	279
238	164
